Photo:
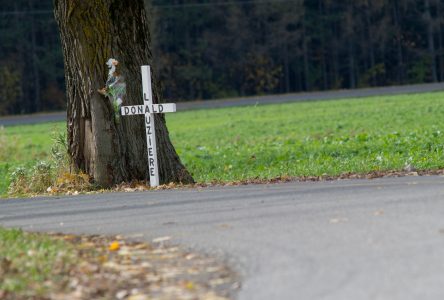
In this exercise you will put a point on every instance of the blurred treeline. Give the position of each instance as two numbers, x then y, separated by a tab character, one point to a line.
31	61
207	49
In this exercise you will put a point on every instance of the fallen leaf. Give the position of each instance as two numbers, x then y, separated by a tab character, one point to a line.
378	212
138	297
114	246
218	281
190	286
121	294
338	220
124	251
161	239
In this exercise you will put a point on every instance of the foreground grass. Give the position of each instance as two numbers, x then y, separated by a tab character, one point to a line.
28	261
297	139
60	267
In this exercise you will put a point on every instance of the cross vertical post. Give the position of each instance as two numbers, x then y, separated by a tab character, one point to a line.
150	128
149	109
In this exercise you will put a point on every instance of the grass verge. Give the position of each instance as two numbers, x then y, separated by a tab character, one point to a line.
62	267
30	264
325	138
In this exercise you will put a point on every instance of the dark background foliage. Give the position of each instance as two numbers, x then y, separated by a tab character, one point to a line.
213	49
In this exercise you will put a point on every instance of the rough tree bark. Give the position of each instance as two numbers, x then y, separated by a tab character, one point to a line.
110	152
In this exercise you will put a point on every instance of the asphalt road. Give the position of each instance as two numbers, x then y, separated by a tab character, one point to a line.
350	239
257	100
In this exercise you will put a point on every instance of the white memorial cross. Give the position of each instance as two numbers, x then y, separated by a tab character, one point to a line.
149	109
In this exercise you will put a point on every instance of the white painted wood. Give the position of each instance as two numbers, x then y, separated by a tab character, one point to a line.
150	128
164	108
149	109
142	109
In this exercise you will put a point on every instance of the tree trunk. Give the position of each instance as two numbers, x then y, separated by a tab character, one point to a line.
286	68
20	48
397	24
306	58
351	66
350	35
110	151
322	46
431	41
371	49
35	107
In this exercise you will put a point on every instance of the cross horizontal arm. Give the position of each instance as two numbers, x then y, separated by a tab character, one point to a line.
147	109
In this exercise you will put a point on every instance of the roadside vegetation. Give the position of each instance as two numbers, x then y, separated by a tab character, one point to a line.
325	138
28	261
60	267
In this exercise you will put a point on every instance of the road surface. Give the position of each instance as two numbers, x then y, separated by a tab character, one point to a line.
348	239
257	100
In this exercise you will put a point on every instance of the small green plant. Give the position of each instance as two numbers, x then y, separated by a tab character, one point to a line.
41	177
36	181
64	180
19	182
59	152
52	176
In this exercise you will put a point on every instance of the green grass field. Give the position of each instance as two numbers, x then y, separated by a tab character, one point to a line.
24	146
297	139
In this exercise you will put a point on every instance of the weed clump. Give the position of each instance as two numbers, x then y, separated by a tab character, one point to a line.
19	182
41	176
53	176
